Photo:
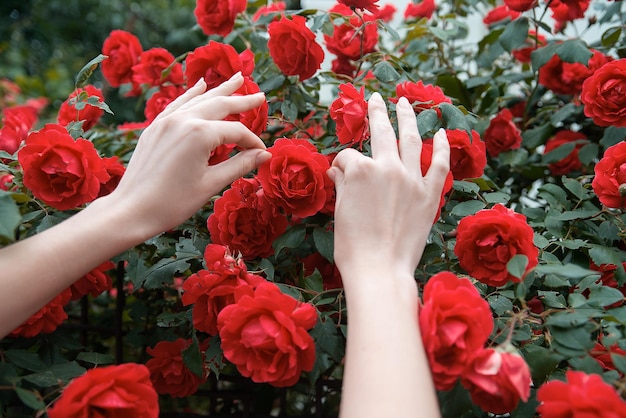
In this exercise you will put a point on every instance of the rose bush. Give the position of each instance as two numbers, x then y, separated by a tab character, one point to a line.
521	284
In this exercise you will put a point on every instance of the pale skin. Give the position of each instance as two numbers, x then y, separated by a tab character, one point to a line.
383	216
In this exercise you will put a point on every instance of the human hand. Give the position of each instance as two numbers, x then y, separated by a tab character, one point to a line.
168	177
385	206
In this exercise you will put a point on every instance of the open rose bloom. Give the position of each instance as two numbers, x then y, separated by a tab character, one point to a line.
240	310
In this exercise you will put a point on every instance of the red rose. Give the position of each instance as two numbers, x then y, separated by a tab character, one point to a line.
68	112
564	11
295	177
570	162
607	278
497	380
112	391
47	319
603	355
168	372
610	177
498	14
521	5
423	9
217	62
343	65
217	17
62	172
369	5
17	121
584	395
265	335
6	181
152	66
425	160
349	111
533	41
468	157
353	38
245	220
159	100
211	290
115	169
455	322
489	239
123	50
331	276
602	94
94	282
254	119
502	134
293	47
386	13
422	96
274	8
567	78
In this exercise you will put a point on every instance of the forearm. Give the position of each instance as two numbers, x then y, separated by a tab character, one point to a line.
38	268
385	358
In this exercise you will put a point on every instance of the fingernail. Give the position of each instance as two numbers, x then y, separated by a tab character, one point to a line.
236	75
403	101
200	81
376	96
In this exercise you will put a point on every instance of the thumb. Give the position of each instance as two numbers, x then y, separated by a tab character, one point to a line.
335	174
238	166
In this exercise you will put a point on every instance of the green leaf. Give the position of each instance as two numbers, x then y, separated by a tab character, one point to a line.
214	356
588	153
25	359
9	217
517	265
540	56
604	296
324	242
570	271
292	238
163	272
192	357
427	121
468	187
95	358
574	50
564	113
454	118
611	36
289	110
532	138
606	255
500	304
466	208
314	282
328	339
385	72
570	215
86	72
540	360
612	135
30	398
56	373
515	34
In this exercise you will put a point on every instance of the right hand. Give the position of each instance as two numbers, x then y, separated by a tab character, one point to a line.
385	207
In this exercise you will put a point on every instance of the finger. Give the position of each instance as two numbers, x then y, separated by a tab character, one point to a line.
196	90
410	142
229	132
227	88
347	157
336	176
384	143
218	107
440	163
221	175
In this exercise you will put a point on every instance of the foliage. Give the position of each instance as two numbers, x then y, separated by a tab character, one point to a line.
564	312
